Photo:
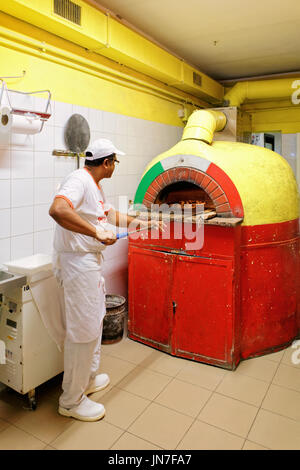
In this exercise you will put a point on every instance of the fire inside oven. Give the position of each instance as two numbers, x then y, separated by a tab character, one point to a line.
187	195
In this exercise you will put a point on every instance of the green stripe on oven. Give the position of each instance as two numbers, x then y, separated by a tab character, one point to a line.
147	179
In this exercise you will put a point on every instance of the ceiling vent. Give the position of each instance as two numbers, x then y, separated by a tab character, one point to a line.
197	79
68	10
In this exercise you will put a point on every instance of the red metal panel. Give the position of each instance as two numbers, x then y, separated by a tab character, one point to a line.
150	279
203	292
270	296
218	241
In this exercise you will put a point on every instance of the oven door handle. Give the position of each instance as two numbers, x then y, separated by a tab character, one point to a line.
174	304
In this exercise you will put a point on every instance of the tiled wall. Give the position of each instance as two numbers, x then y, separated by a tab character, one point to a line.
29	175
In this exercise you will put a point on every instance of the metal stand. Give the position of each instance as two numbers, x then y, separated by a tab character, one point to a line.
32	399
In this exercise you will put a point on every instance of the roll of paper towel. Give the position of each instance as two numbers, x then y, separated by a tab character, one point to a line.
17	124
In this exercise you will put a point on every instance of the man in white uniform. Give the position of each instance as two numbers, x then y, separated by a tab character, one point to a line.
81	233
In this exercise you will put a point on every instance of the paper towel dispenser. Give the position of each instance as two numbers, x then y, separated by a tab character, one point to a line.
16	119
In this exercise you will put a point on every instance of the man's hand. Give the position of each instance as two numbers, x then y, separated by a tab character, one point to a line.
106	237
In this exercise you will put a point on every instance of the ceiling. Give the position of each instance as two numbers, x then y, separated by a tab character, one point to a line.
224	39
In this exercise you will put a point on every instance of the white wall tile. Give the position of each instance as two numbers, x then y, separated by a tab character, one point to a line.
22	192
21	141
43	164
57	183
62	113
43	242
21	220
21	246
121	124
4	250
21	164
4	194
121	168
34	173
95	135
42	219
43	190
63	166
5	172
59	139
132	145
109	186
4	140
82	110
109	124
44	141
5	218
95	120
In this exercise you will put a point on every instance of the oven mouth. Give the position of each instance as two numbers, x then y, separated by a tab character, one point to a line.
186	195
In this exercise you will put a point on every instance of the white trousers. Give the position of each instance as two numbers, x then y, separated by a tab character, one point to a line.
81	364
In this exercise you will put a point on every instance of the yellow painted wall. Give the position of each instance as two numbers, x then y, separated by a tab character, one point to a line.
281	116
71	80
76	75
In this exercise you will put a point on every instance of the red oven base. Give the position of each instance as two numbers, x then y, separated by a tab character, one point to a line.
236	298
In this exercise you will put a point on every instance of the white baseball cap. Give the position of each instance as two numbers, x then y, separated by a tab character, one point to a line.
101	148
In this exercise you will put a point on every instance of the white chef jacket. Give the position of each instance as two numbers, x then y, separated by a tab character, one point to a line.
86	197
77	260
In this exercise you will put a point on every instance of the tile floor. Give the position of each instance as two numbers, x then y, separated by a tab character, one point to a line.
156	401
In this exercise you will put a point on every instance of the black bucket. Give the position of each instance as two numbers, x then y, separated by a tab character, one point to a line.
113	323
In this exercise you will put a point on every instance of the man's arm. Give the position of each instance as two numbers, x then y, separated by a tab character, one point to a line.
67	218
123	220
119	219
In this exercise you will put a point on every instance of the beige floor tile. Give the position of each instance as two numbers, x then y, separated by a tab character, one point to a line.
228	414
13	438
98	396
49	448
252	446
291	357
3	424
131	350
161	426
130	442
276	357
201	374
44	423
183	397
12	405
165	364
122	408
116	368
202	436
287	376
97	435
243	388
283	401
275	432
258	368
144	382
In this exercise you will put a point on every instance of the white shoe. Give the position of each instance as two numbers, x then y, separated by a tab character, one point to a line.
100	382
88	410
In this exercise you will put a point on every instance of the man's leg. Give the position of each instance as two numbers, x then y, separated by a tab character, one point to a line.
97	381
78	360
73	402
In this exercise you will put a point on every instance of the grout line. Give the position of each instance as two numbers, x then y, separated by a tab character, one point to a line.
29	433
195	420
260	407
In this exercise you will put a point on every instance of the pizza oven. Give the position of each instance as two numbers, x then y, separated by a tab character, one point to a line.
237	295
